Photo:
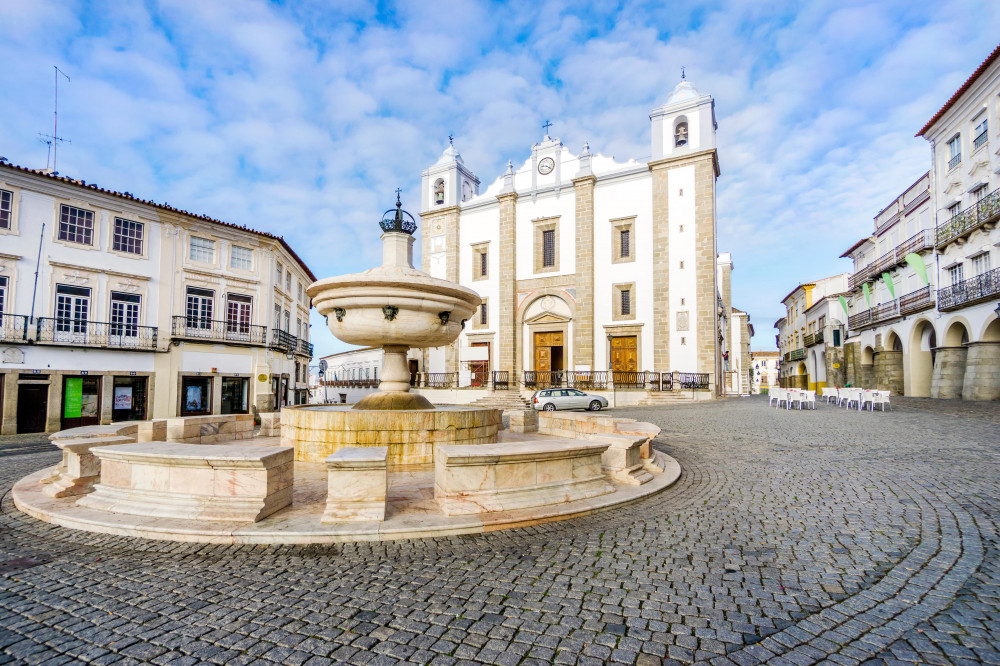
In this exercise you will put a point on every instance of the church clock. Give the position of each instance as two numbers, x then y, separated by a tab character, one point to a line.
546	166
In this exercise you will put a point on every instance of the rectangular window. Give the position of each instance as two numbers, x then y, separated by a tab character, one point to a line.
280	273
76	225
549	248
626	296
626	247
198	308
298	327
125	314
277	316
72	309
955	146
288	321
196	395
128	236
980	134
954	209
238	314
241	258
981	263
955	274
483	314
202	249
6	208
288	281
483	264
3	293
301	297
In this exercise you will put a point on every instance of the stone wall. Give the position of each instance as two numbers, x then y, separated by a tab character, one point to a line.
889	371
835	376
949	373
982	372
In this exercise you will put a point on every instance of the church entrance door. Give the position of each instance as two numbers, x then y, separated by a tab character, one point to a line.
624	353
480	370
549	358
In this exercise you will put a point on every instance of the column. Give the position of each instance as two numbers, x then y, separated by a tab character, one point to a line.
982	371
583	324
889	371
661	268
507	333
949	373
709	357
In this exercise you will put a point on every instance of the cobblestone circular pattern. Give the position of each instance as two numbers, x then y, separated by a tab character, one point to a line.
792	538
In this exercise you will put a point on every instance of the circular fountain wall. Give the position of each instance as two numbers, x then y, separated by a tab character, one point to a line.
316	431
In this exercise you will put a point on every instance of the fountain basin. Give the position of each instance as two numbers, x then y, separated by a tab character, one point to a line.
316	431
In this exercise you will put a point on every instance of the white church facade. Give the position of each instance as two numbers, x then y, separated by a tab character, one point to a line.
585	263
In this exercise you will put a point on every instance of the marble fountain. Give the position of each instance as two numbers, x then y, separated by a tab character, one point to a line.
392	466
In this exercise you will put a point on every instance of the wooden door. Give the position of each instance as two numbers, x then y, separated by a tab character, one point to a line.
32	407
548	357
480	369
624	353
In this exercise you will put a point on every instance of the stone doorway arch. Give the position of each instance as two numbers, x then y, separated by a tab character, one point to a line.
920	360
889	365
948	379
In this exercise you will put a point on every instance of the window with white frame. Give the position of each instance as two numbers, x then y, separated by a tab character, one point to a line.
288	281
300	292
3	293
202	249
238	313
72	308
128	236
280	273
954	209
6	208
76	225
288	321
955	274
241	258
981	263
198	307
980	133
125	314
955	151
979	192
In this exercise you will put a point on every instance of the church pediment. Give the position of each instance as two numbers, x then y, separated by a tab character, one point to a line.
547	318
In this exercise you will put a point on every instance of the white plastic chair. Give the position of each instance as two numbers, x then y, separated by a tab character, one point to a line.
795	396
866	398
851	395
809	398
774	395
831	394
782	398
881	399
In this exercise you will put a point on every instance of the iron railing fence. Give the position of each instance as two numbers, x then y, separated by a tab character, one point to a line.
440	379
218	331
967	292
955	161
78	332
14	328
543	378
352	383
693	380
283	340
922	240
979	140
501	380
985	210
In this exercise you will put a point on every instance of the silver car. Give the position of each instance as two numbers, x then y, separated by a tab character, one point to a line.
566	398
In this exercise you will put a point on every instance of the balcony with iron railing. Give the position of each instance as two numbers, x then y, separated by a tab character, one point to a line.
81	333
985	286
955	161
861	276
922	240
212	330
813	339
795	354
915	301
14	329
978	142
984	211
286	342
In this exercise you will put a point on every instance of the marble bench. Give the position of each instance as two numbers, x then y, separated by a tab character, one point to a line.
516	475
227	482
209	429
357	484
79	470
576	424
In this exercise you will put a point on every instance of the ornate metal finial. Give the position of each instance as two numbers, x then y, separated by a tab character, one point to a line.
546	126
395	219
451	140
683	75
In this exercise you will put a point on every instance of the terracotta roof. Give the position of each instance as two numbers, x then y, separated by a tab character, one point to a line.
961	91
129	197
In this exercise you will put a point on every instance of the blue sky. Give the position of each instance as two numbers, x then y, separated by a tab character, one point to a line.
301	118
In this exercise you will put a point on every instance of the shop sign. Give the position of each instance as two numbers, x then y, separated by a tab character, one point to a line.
262	377
836	365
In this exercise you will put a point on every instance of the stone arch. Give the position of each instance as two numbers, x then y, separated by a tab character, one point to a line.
991	332
437	193
866	369
920	359
868	355
956	332
681	137
982	365
889	365
892	341
534	314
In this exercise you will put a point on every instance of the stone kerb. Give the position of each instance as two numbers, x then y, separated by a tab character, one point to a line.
523	420
471	479
209	429
79	469
228	482
357	484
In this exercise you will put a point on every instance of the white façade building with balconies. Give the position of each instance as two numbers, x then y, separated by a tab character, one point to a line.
139	310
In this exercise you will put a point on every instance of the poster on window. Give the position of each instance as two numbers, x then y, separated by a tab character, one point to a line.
123	397
192	401
72	397
88	405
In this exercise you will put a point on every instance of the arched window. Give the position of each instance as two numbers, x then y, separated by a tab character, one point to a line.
439	191
681	132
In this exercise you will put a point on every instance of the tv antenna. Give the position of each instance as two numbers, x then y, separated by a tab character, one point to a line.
53	139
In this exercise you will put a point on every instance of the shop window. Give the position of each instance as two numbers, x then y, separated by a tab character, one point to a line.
235	395
81	401
129	399
196	396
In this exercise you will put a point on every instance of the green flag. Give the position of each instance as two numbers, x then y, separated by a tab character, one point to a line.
843	304
888	283
918	265
868	294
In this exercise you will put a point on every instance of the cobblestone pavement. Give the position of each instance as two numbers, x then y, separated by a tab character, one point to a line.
791	538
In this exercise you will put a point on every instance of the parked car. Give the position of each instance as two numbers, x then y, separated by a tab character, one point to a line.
566	398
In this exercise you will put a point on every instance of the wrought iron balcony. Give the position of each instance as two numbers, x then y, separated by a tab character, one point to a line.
985	286
979	140
211	330
984	211
797	354
861	276
305	348
81	333
955	161
813	339
915	301
922	240
14	328
283	340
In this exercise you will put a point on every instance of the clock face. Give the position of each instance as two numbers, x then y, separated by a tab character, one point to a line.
546	166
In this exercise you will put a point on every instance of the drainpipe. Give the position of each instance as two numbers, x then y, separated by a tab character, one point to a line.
34	289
